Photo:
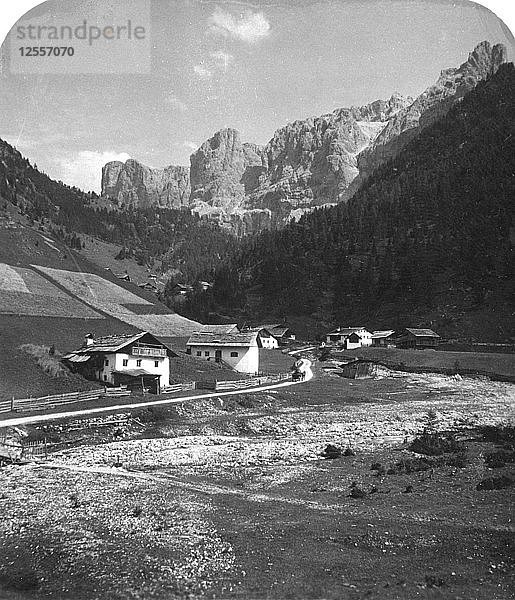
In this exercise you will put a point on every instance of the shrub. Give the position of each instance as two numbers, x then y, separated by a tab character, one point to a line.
412	465
378	468
496	460
349	452
495	483
459	460
49	363
331	451
499	434
19	579
357	492
435	444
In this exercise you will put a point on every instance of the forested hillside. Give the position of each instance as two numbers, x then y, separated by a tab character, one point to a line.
425	239
175	238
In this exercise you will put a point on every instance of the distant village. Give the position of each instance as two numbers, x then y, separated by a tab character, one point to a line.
142	360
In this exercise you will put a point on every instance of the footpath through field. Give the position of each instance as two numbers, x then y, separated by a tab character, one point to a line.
123	407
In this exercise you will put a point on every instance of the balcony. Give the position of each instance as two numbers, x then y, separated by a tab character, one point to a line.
148	351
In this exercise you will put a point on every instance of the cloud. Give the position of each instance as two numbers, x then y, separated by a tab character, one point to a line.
202	72
176	103
221	59
249	27
193	146
84	168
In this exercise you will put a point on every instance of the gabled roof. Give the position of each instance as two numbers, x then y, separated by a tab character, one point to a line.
227	328
278	330
114	343
422	332
346	330
382	334
136	373
247	339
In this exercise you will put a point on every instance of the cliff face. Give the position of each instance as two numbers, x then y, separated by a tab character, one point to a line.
223	169
134	184
432	104
307	163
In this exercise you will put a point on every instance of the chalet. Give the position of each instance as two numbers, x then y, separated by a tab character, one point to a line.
180	289
350	337
416	338
267	340
240	351
150	287
280	332
136	360
383	338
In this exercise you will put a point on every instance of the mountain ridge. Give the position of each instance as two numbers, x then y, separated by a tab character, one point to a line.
309	162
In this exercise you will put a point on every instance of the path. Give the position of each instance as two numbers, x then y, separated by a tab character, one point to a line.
123	407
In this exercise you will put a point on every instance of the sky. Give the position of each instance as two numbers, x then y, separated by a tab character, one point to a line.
203	66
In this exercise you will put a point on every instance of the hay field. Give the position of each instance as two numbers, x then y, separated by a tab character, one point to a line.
105	295
24	292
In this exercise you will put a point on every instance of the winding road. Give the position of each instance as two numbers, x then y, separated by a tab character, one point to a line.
32	419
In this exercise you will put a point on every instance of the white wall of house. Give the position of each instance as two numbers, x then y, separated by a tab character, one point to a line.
269	342
120	361
243	359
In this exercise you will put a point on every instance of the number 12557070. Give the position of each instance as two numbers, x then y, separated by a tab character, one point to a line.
47	50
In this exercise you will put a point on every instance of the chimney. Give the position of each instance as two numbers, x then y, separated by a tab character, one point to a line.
89	340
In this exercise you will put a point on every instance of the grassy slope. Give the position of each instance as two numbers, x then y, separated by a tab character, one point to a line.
19	376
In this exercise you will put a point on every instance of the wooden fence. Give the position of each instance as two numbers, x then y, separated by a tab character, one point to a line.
252	382
29	404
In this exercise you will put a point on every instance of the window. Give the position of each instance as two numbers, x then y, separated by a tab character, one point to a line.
125	362
106	363
234	354
156	363
138	362
199	353
206	353
105	377
188	350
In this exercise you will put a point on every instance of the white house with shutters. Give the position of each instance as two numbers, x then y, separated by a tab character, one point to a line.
135	360
350	337
240	351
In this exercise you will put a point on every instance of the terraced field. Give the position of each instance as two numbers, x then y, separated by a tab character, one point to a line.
25	292
112	299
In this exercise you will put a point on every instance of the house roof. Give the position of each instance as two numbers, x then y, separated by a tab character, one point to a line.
135	373
422	332
346	330
246	339
113	343
278	330
76	358
227	328
382	334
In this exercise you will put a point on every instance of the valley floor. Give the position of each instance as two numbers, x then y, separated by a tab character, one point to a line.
230	498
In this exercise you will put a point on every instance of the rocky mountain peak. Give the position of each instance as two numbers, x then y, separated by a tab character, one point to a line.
134	184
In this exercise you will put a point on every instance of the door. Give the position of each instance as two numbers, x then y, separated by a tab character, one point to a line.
218	356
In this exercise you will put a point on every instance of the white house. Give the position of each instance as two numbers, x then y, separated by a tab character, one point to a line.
350	337
266	339
239	351
136	360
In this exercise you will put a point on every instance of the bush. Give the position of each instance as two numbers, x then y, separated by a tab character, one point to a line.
496	460
378	468
331	451
435	444
49	363
349	452
22	580
495	483
499	434
412	465
459	460
357	492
